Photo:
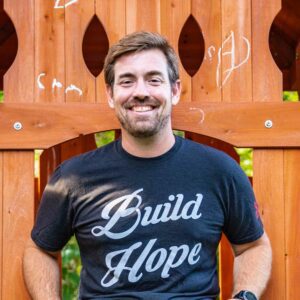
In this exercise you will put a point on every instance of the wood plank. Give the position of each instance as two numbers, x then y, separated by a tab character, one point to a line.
49	52
268	183
292	222
235	78
142	15
78	17
1	223
174	14
113	18
22	69
239	124
18	217
77	146
208	15
49	160
225	268
18	179
268	165
80	83
265	71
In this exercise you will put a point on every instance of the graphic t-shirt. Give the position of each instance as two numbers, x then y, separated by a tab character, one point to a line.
148	228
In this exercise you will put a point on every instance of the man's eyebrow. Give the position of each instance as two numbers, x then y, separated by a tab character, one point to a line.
123	75
131	75
154	72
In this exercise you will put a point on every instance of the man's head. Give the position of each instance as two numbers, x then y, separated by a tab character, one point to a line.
136	42
141	75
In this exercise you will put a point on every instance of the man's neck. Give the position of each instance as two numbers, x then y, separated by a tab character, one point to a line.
148	147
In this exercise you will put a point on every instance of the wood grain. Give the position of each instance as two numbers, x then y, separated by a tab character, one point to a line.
113	18
174	14
269	164
234	79
22	69
236	62
17	166
265	72
226	268
77	18
142	15
268	183
208	15
18	217
292	222
49	52
240	124
1	223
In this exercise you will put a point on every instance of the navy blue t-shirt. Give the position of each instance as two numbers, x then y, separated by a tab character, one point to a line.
148	228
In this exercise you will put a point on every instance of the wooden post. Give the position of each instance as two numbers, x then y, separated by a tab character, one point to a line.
17	166
17	218
291	222
268	164
1	226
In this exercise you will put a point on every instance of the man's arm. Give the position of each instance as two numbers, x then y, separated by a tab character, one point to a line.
41	273
252	266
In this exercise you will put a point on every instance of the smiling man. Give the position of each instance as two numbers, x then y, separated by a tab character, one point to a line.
148	210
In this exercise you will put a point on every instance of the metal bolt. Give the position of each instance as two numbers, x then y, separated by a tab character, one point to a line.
18	126
269	124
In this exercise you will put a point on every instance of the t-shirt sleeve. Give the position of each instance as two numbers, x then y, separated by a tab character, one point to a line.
53	226
243	223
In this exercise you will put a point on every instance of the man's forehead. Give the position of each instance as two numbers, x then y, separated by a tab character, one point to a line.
152	60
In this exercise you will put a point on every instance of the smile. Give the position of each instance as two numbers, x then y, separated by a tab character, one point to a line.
142	108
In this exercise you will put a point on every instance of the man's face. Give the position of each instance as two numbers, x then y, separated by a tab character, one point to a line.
142	94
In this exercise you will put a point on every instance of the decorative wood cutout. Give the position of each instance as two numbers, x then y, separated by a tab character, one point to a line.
95	46
8	43
282	45
191	46
284	37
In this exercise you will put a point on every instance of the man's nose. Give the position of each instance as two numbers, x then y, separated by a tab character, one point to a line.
141	90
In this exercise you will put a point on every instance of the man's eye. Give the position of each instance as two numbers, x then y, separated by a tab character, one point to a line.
126	82
155	81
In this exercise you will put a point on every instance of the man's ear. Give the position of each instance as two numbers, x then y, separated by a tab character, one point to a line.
176	91
109	94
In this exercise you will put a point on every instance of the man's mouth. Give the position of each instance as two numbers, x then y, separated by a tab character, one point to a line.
142	108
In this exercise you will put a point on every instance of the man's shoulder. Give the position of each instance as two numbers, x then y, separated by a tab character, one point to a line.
91	158
211	156
203	149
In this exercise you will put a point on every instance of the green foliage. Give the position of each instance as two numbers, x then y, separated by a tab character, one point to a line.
103	138
179	133
291	96
1	96
71	267
246	155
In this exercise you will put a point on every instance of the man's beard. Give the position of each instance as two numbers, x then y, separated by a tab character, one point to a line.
143	128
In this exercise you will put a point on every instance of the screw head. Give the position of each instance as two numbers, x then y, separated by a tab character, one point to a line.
18	126
269	124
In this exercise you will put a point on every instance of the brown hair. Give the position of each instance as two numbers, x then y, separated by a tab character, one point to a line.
136	42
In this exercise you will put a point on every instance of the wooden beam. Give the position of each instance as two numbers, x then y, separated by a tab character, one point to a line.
240	124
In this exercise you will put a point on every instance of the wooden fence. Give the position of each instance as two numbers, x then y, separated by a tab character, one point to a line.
54	102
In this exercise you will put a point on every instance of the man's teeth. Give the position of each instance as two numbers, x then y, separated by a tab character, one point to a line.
141	108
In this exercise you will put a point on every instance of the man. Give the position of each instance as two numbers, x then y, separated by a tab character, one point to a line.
148	210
